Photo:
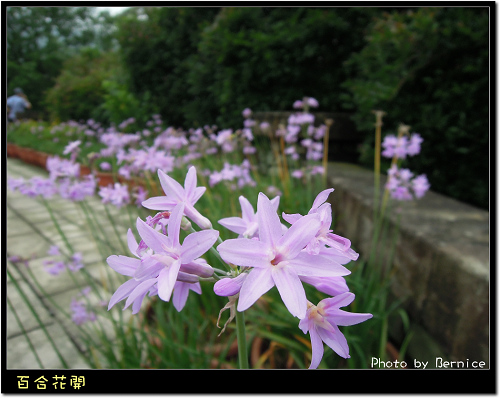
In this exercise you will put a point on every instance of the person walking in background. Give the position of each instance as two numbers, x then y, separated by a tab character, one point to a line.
17	103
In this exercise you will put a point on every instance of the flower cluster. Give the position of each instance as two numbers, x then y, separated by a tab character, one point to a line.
403	185
55	266
265	254
238	175
163	265
401	147
116	194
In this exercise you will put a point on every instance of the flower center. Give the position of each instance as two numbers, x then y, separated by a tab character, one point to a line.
277	259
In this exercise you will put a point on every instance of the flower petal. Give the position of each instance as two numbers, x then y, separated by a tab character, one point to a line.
298	236
247	211
181	292
174	224
291	218
197	194
172	188
309	265
138	294
123	264
317	348
269	223
159	203
344	318
152	238
258	282
245	252
342	300
291	290
197	244
123	291
331	285
190	182
132	243
321	198
166	280
335	340
234	224
149	268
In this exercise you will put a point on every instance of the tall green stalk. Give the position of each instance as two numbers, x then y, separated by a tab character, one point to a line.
242	342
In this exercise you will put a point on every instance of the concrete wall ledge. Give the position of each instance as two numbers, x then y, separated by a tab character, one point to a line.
441	261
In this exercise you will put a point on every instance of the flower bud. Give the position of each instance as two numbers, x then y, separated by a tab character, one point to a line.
229	286
198	267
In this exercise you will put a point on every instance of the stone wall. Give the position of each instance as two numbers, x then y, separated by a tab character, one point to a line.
441	262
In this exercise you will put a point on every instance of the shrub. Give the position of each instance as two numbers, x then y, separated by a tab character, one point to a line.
79	92
428	68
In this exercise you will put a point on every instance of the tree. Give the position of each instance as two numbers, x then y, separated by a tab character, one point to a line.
39	39
156	43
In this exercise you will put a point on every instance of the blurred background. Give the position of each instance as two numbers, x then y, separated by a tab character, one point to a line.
427	67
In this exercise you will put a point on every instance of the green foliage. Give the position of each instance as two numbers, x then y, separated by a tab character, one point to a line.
266	58
79	91
39	39
155	44
428	68
205	65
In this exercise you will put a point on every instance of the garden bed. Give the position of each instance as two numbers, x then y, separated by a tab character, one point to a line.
39	159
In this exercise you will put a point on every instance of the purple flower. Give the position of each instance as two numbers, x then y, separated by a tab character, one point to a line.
176	194
247	112
117	194
402	185
80	314
420	185
249	123
322	323
312	102
229	286
413	147
15	183
105	166
339	245
278	259
247	226
56	268
162	261
76	262
181	292
297	174
58	167
400	147
72	147
264	126
332	285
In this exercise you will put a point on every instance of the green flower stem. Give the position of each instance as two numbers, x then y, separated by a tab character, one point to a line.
242	342
113	225
20	324
34	313
58	227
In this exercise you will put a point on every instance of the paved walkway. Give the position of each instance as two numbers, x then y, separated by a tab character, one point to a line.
36	299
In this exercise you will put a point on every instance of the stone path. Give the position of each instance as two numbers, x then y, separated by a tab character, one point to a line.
37	300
